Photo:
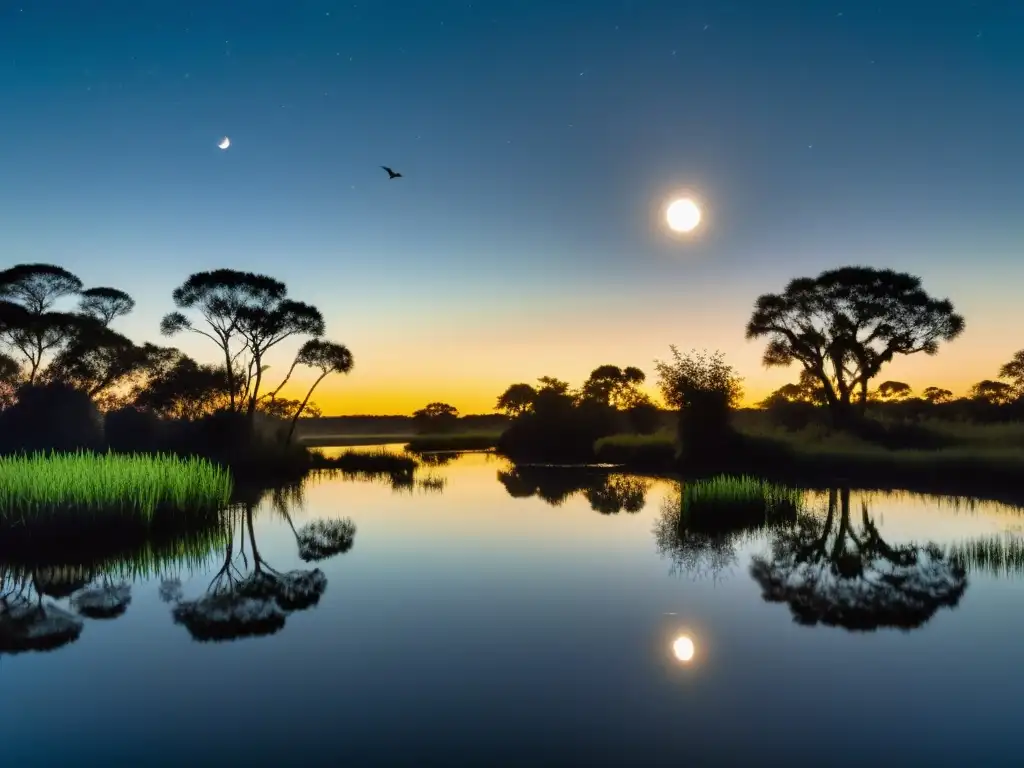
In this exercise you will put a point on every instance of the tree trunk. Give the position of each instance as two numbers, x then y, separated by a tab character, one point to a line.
230	371
251	410
301	408
862	402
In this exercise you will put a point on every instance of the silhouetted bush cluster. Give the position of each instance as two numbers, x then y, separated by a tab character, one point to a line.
132	430
51	417
559	429
644	418
795	415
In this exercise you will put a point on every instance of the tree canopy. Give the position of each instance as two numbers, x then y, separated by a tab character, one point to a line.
936	395
691	379
1014	371
893	391
516	400
245	314
846	324
614	386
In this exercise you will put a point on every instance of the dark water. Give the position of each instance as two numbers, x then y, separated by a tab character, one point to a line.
470	627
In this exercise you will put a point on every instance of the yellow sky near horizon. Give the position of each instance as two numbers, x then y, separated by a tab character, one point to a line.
468	352
470	370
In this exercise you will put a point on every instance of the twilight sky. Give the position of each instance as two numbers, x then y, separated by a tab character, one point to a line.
538	141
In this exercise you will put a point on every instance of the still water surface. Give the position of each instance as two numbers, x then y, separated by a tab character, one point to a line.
473	623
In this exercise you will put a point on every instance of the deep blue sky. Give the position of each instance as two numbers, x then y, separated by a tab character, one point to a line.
538	140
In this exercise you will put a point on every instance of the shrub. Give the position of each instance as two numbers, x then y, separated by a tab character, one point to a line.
131	430
559	430
644	418
51	417
705	390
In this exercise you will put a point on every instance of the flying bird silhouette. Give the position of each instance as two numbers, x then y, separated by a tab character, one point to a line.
391	174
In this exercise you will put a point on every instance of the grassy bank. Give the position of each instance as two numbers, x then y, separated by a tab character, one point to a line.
968	458
38	487
97	505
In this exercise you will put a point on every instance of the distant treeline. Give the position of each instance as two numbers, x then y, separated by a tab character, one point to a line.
392	425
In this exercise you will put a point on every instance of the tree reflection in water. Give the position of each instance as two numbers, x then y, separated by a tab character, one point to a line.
608	493
839	571
319	539
246	597
107	601
26	624
253	600
97	586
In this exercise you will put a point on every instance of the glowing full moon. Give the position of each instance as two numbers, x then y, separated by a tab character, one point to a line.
683	215
224	143
683	648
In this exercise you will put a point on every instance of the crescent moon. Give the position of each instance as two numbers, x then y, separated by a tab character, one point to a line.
224	143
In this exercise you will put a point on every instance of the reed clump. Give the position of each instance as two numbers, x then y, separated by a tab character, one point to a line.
82	486
732	501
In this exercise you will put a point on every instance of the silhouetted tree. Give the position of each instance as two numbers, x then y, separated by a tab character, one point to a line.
613	386
561	426
830	572
516	400
436	417
29	326
105	304
993	392
1014	371
178	387
794	406
221	297
283	408
937	395
327	357
268	324
893	391
552	386
10	380
845	324
99	361
704	389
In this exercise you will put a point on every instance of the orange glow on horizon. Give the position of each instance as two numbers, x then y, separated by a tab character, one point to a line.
473	398
467	362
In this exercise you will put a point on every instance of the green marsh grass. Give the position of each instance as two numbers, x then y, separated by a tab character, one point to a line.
727	502
40	487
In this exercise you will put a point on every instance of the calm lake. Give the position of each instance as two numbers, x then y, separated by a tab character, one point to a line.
475	623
